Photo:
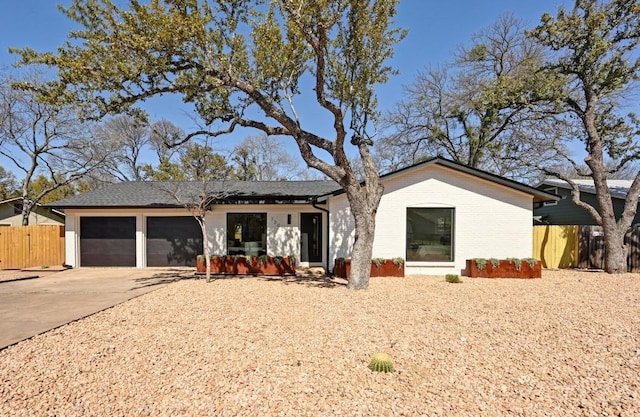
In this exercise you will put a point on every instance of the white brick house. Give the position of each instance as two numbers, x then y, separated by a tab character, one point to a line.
435	215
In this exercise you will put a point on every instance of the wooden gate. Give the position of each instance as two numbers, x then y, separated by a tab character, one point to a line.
31	246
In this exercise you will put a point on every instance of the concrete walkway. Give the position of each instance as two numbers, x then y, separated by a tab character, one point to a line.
32	306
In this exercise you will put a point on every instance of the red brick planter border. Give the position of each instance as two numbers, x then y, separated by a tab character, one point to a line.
505	269
387	268
231	265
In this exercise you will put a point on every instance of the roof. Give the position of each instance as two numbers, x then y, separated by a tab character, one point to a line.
160	194
538	194
11	200
617	188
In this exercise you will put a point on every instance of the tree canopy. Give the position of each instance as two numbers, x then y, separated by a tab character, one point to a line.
243	63
595	57
486	109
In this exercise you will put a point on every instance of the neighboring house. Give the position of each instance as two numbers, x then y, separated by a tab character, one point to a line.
565	211
11	214
435	214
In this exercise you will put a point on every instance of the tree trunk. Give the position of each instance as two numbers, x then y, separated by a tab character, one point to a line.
364	205
205	246
615	249
26	211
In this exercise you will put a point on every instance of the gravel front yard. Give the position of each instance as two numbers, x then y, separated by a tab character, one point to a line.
564	345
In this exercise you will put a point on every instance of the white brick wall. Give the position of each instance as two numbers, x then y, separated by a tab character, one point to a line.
282	238
490	220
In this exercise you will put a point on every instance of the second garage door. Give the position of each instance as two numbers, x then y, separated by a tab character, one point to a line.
173	241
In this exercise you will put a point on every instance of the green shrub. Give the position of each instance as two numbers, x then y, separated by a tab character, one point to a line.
452	278
531	261
399	261
377	261
381	362
480	262
494	262
517	262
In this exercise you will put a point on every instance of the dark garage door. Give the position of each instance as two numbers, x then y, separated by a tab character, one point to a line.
173	241
108	241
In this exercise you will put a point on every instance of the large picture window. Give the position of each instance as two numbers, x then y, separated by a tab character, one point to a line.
430	234
247	234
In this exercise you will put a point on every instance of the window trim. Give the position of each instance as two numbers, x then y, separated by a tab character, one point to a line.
431	263
262	249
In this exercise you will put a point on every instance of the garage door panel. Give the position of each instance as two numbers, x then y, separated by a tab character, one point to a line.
108	241
173	241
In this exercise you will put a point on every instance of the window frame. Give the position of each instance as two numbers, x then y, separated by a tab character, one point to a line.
242	250
452	254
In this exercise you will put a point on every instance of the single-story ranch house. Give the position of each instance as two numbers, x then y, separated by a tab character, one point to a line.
435	215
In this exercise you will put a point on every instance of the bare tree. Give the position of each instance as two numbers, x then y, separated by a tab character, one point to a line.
164	138
199	195
477	110
41	138
125	138
266	157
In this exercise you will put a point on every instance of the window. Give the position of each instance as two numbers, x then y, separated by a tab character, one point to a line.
430	234
552	190
247	234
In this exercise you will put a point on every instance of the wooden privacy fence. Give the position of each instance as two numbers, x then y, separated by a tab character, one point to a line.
556	246
580	247
30	246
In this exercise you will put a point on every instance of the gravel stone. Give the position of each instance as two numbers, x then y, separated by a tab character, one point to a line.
564	345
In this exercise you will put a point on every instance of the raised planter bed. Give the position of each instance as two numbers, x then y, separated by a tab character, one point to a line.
386	268
241	265
506	268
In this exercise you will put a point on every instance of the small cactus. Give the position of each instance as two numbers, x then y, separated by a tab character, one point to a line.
381	362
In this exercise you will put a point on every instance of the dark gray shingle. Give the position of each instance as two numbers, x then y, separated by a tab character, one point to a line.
160	194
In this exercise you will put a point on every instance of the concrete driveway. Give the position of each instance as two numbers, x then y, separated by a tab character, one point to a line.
32	306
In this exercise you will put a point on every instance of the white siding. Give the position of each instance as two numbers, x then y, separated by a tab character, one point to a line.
490	220
282	239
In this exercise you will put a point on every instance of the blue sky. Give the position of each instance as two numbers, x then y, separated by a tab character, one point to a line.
436	29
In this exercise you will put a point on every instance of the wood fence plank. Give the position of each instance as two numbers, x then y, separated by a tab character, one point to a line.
31	246
556	246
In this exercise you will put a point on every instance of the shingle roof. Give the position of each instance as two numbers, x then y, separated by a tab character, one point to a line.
161	194
617	188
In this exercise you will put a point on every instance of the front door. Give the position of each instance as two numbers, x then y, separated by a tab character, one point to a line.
311	243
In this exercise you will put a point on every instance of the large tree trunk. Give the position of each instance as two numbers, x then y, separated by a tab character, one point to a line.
615	250
614	230
364	205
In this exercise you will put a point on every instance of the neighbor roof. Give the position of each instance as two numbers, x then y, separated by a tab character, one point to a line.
617	188
160	194
14	199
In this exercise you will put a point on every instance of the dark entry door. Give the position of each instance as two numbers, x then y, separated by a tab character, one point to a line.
311	229
108	241
173	241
